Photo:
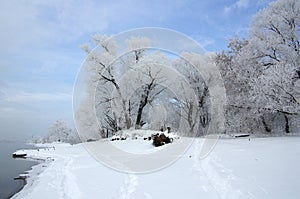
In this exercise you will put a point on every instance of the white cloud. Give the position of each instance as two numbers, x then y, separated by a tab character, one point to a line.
35	23
204	41
263	2
240	4
46	23
25	97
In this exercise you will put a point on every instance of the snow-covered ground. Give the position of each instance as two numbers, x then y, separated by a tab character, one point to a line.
236	168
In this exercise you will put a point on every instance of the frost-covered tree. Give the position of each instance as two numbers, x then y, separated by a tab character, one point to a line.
150	76
101	77
107	72
113	79
262	73
96	64
59	131
274	45
236	77
149	91
36	139
195	102
122	90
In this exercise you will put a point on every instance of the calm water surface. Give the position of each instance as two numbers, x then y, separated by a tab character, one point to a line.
11	168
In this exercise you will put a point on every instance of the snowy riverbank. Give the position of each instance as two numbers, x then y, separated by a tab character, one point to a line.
236	168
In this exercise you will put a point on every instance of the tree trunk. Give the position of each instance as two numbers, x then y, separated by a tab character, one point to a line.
191	118
287	126
127	118
143	103
139	115
267	128
126	115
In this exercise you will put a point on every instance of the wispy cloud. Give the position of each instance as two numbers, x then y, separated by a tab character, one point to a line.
240	4
47	23
10	95
204	41
51	22
24	97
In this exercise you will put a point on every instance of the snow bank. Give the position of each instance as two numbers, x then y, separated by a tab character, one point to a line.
141	134
236	168
137	142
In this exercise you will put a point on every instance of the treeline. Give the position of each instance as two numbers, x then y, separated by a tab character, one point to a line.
262	73
59	131
148	88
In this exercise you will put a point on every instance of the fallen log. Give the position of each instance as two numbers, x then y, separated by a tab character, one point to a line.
241	135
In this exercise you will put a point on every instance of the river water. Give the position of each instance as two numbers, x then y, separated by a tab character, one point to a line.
11	168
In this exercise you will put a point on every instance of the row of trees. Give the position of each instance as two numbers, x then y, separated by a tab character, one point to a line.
148	87
143	87
262	73
59	131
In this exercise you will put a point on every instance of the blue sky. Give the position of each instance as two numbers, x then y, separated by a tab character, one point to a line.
40	47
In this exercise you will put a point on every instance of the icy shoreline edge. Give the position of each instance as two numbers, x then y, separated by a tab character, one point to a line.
33	173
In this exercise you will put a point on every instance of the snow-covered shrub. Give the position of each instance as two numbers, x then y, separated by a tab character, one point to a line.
61	132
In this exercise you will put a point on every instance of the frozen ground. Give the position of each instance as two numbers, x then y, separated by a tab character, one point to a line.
236	168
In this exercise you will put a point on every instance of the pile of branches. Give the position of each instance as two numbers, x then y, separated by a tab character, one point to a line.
161	139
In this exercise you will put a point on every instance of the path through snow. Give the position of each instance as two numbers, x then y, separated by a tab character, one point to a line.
236	168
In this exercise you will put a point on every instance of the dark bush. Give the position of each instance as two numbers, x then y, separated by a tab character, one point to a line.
161	139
